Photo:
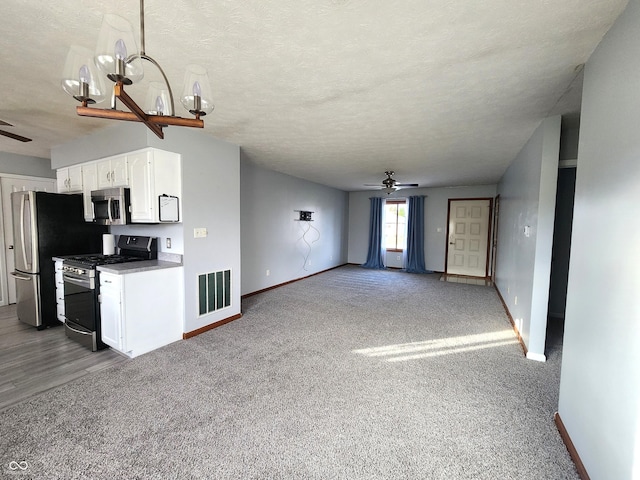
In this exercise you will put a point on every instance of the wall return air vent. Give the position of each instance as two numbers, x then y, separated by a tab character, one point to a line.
214	291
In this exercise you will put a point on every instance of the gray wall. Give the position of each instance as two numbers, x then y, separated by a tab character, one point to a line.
527	199
210	199
272	238
26	165
114	138
435	212
600	383
569	143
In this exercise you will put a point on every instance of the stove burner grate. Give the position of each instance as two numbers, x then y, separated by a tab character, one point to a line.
92	261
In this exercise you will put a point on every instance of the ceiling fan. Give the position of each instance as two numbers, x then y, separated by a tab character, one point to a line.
20	138
390	184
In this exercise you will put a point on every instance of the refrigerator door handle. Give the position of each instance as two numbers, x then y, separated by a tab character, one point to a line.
19	276
24	246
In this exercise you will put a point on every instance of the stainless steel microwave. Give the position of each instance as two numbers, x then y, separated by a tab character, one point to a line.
111	206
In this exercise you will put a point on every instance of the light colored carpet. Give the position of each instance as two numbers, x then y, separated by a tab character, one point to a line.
350	374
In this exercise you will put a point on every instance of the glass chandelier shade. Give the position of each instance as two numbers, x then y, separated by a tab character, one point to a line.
158	101
80	77
196	93
117	51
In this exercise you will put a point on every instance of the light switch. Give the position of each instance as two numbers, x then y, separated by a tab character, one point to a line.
199	232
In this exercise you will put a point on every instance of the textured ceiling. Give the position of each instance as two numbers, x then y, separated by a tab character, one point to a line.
333	91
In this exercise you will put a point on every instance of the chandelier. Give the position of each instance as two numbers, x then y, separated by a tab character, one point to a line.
83	73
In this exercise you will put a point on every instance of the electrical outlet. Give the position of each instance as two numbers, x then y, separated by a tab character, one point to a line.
309	262
199	232
515	301
268	273
168	242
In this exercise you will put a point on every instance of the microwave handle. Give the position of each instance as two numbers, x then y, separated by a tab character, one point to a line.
109	210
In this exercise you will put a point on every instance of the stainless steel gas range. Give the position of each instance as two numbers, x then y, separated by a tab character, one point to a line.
82	287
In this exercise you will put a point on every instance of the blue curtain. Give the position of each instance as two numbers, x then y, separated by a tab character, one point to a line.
374	255
414	261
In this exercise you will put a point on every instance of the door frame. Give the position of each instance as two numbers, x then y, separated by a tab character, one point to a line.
489	231
494	237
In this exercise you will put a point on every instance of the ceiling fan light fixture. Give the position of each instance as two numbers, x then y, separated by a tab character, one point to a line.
389	184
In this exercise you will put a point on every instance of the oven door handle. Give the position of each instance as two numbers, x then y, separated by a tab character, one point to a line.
81	282
82	332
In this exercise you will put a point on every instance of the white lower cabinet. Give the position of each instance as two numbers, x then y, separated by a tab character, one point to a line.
59	291
110	310
141	311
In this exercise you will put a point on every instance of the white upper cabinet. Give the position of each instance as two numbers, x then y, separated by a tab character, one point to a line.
149	173
89	183
112	172
152	173
69	179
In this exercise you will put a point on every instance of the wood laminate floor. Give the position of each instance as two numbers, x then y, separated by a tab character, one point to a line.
32	361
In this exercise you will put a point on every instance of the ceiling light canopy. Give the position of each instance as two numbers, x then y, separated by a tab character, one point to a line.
117	58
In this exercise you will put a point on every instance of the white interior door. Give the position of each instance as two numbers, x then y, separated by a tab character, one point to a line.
468	238
8	185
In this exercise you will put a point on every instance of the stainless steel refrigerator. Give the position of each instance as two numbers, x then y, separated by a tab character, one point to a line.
46	225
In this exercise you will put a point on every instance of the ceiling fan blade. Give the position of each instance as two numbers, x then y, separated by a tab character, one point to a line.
407	185
373	185
14	136
2	122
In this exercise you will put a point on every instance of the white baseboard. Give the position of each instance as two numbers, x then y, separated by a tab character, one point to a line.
538	357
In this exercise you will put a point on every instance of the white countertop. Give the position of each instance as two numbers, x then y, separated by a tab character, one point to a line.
165	260
136	267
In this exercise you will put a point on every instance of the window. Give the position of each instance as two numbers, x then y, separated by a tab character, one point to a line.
394	231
